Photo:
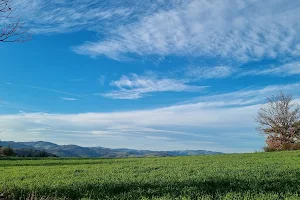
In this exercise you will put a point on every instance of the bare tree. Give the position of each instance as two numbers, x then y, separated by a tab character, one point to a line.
11	27
279	119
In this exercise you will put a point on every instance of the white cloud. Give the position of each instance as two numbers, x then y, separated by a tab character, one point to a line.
130	129
248	96
240	30
135	87
288	69
221	122
60	16
66	16
209	72
68	99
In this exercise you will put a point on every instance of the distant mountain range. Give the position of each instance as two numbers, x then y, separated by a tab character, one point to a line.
95	152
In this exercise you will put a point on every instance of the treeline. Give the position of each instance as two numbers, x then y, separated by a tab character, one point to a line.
10	152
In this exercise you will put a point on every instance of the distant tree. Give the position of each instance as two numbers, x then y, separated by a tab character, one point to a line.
11	27
7	151
279	120
1	131
42	153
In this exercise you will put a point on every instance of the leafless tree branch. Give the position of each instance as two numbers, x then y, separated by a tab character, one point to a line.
11	28
279	119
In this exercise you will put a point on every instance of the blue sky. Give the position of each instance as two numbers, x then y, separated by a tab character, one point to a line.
159	75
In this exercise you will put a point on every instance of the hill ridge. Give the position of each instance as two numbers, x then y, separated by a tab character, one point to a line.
72	150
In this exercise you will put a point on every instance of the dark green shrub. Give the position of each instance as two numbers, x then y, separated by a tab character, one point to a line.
7	151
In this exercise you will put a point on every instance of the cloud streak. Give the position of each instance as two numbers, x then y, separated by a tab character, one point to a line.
209	72
136	87
68	99
47	89
62	16
56	91
66	16
288	69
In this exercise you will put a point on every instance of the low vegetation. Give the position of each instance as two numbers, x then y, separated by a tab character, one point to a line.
274	175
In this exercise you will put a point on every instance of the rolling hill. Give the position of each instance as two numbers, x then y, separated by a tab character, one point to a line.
97	152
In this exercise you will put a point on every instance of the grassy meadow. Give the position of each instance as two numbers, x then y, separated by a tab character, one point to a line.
274	175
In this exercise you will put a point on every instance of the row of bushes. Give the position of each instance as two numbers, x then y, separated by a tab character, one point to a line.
10	152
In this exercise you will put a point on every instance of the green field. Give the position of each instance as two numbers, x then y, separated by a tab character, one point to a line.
237	176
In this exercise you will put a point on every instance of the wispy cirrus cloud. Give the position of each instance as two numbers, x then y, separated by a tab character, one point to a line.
251	31
251	96
288	69
136	87
209	72
67	16
68	99
60	16
214	72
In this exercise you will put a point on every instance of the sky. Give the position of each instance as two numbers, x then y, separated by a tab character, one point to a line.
151	74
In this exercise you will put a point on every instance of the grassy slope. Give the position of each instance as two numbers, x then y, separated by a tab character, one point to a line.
243	176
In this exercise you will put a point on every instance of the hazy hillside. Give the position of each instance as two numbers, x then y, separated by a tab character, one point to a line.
41	144
13	144
97	152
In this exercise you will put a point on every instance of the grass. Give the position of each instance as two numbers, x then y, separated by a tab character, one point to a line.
274	175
